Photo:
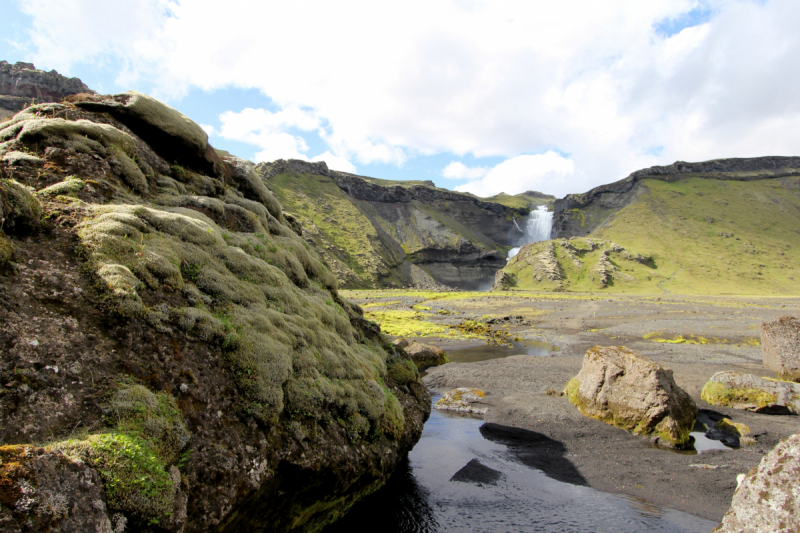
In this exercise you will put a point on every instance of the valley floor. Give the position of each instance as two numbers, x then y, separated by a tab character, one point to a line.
694	336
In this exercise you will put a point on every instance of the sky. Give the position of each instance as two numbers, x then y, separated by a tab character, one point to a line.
556	96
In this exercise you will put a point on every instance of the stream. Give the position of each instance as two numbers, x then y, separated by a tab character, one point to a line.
462	476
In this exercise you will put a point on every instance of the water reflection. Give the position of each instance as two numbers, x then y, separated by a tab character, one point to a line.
455	479
495	351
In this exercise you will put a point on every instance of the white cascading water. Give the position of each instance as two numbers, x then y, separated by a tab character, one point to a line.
537	228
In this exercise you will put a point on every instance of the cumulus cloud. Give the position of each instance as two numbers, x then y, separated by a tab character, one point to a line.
597	80
335	162
549	171
458	170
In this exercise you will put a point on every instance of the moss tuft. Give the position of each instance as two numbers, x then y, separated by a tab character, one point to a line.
6	252
71	186
403	372
20	211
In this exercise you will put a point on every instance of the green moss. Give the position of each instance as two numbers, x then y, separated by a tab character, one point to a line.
403	372
134	458
71	186
6	252
719	394
572	391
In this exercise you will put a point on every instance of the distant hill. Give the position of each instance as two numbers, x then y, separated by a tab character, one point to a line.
720	227
378	233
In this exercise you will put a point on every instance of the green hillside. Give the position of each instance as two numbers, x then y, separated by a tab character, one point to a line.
529	200
692	236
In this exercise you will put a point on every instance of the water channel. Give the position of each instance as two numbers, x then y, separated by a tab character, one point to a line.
468	476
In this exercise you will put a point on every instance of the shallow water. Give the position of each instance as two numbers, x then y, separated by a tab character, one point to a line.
495	351
456	480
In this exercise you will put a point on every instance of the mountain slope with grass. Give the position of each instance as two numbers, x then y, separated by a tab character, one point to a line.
720	227
176	358
376	233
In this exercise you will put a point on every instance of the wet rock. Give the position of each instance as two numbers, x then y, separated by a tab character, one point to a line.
752	393
423	355
780	346
768	498
622	388
462	400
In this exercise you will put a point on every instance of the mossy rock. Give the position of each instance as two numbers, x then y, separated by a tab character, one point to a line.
137	458
752	393
642	398
20	212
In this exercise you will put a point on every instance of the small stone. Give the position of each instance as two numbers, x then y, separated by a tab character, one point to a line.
184	387
461	400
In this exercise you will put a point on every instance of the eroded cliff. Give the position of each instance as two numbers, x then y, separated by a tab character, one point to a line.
376	233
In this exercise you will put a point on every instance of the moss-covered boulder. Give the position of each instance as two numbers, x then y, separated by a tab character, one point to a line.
768	498
172	331
752	393
623	388
780	346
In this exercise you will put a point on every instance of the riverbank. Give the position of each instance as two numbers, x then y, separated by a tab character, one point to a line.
696	337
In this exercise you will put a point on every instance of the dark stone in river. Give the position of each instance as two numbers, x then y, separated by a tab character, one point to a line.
475	472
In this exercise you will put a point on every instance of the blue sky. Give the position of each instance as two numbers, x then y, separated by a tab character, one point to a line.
483	97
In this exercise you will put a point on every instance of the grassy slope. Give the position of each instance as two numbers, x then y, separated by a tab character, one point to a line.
341	223
691	254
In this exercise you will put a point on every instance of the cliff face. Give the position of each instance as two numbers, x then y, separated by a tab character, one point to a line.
175	357
374	234
577	215
21	84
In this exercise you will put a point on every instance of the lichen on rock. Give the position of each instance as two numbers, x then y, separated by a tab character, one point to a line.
752	393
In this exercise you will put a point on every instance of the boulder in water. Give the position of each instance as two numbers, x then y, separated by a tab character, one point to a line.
768	498
752	393
780	346
620	387
462	400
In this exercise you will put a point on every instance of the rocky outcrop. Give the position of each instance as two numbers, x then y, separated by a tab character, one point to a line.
462	400
627	390
768	498
378	229
752	393
780	347
577	215
21	85
423	355
174	339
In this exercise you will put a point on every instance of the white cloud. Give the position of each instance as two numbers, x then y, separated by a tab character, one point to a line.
549	171
458	170
209	129
502	78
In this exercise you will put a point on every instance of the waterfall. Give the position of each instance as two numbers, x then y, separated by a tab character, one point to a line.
537	228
